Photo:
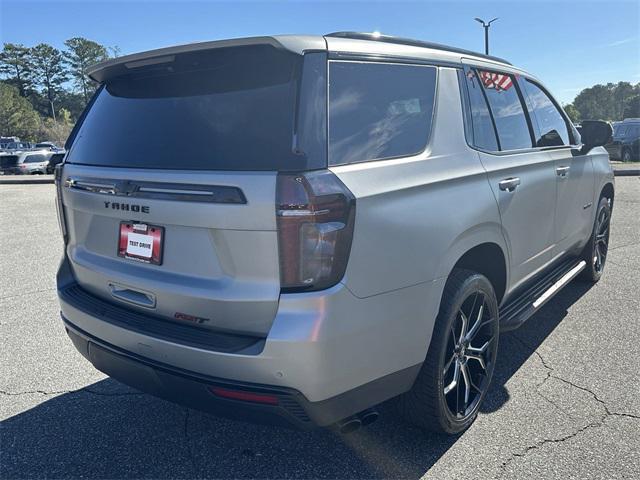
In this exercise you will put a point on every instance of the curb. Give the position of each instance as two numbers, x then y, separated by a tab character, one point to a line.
627	173
30	179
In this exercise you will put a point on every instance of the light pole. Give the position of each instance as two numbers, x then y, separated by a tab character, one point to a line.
486	32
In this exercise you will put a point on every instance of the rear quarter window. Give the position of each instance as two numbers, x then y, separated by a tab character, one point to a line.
484	134
378	110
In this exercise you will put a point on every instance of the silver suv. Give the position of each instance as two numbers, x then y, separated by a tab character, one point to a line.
29	162
298	228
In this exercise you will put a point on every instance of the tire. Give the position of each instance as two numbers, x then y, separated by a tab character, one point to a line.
596	250
426	404
626	155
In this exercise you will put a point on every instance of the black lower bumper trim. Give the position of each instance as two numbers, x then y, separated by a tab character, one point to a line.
157	327
194	390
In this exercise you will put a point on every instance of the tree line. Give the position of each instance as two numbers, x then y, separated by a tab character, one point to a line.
611	102
43	90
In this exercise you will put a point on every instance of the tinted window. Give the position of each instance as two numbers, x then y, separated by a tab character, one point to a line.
632	131
551	126
7	161
378	110
35	158
619	130
225	109
484	135
56	159
508	114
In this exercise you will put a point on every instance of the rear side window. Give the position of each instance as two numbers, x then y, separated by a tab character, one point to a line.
484	134
35	158
551	126
378	110
225	109
507	110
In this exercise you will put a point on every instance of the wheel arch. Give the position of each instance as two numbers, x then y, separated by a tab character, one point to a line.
608	191
489	260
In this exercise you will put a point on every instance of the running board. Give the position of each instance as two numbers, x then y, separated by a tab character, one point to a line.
521	308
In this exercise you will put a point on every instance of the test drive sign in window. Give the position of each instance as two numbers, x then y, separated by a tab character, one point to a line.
141	242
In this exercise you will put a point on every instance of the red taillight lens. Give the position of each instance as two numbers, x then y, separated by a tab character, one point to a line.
315	214
245	396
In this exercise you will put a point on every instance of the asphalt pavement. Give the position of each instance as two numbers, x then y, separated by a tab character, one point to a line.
565	400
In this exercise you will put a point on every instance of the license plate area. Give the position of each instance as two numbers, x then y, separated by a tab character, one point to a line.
141	242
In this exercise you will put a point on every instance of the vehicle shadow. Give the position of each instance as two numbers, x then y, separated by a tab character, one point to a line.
108	430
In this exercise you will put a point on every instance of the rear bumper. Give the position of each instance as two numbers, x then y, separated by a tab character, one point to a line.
196	391
328	353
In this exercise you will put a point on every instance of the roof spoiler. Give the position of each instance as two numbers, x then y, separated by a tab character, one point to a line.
115	67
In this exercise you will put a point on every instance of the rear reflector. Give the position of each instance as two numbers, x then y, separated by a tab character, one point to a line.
245	396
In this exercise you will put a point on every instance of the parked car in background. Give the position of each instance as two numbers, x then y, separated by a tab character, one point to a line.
25	163
55	159
17	146
306	249
5	141
625	143
49	146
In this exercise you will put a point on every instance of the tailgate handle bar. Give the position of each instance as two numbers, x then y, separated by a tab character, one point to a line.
90	186
227	194
135	297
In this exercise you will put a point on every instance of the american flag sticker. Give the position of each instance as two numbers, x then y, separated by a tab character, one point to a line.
497	81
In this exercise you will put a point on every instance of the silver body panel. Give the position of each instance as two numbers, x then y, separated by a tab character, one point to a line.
415	218
220	261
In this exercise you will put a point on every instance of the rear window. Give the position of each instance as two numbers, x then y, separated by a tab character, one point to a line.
226	109
35	158
378	110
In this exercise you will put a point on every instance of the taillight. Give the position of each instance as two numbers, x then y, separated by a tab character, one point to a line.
57	175
315	215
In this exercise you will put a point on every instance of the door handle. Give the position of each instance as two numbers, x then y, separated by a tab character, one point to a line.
562	171
509	184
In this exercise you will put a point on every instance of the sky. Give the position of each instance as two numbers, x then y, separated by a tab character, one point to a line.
569	45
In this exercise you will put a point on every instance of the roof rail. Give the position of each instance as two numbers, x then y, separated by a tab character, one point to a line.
414	43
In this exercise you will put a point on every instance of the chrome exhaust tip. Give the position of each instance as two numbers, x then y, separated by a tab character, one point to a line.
349	425
368	417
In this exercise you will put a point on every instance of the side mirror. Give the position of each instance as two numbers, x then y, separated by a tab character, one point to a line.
595	133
